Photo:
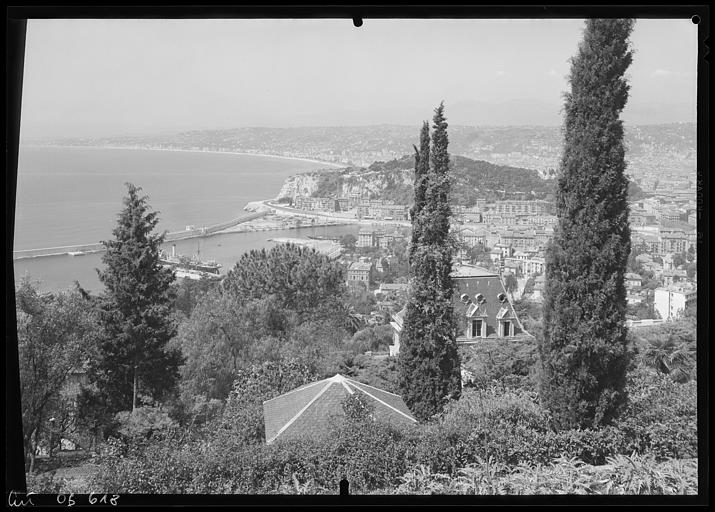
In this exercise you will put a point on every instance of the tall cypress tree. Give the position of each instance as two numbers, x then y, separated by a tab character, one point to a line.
584	353
136	310
422	168
429	360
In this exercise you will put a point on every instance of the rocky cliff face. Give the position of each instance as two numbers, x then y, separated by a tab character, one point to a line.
300	185
349	182
375	184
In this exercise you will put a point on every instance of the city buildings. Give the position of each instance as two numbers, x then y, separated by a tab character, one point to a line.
671	302
360	273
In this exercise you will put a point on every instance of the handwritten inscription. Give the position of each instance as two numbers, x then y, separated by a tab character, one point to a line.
21	499
15	499
93	498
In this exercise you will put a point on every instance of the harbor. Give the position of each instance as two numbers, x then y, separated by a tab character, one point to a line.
188	233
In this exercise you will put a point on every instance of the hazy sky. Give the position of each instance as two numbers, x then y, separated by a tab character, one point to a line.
113	77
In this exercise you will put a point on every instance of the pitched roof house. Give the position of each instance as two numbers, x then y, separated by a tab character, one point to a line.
481	304
309	409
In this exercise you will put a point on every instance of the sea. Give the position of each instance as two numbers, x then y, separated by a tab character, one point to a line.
72	196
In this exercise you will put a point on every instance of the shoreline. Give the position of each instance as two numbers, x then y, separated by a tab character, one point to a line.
235	230
240	153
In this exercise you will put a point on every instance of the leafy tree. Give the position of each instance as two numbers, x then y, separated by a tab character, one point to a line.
354	321
642	310
54	333
373	337
429	361
220	337
634	265
136	313
670	349
361	300
189	292
679	259
691	269
348	241
303	280
316	340
584	351
690	256
399	264
511	285
478	254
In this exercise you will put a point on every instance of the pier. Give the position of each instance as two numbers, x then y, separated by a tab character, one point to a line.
170	237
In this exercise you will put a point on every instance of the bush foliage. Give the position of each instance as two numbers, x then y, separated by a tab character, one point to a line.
493	440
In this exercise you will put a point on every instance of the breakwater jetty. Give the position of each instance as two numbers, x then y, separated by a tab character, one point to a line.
78	250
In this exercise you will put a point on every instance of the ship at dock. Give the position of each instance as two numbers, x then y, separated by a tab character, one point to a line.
190	266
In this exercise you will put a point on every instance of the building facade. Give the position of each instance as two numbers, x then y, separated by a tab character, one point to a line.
360	273
480	302
672	301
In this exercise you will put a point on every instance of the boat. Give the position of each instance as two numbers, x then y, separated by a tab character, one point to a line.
194	274
189	264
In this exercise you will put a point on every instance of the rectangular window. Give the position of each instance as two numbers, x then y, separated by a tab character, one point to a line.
476	328
505	331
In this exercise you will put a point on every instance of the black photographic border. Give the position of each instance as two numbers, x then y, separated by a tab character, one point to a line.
16	17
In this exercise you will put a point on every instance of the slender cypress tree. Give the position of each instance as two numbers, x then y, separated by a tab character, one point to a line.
429	361
422	169
136	310
584	353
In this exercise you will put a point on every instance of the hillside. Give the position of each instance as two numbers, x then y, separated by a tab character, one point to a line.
392	180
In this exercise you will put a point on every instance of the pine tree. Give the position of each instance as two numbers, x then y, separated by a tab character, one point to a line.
304	280
429	361
584	352
136	312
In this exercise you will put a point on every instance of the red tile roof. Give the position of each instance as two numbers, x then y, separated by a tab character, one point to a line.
310	409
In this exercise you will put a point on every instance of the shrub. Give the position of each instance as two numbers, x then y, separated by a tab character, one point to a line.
43	483
508	362
369	454
144	422
661	417
493	440
622	475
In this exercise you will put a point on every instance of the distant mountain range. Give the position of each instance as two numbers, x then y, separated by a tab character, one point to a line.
527	112
529	147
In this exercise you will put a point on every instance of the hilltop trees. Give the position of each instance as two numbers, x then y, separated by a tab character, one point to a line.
429	361
304	280
584	352
136	311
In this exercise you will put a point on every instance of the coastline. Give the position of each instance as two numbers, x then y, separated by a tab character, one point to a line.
249	226
266	155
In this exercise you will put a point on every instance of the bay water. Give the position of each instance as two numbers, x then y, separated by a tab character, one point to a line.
72	196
